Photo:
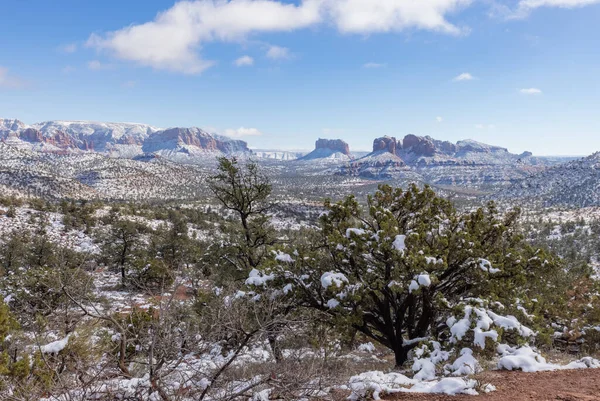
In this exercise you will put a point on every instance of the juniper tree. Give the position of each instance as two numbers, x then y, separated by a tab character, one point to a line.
245	191
120	244
394	270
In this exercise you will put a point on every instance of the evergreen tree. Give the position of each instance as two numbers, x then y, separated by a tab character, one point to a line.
396	271
120	245
245	191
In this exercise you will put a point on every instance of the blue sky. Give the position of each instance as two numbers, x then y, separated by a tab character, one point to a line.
289	72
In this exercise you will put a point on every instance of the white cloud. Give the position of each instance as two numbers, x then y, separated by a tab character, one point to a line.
8	81
465	76
526	6
69	48
174	39
371	16
531	91
244	61
439	119
374	65
278	53
96	65
240	132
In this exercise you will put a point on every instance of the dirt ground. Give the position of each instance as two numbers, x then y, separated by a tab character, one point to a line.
566	385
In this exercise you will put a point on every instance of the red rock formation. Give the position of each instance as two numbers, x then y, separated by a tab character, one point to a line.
31	135
177	137
388	144
61	140
446	147
335	145
421	146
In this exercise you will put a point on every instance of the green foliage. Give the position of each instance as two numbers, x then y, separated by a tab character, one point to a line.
120	243
400	265
245	191
11	212
14	251
151	274
78	216
8	324
21	369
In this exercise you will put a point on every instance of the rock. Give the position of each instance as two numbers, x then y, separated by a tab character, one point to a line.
420	146
330	149
176	138
336	145
445	147
478	147
73	136
31	135
387	144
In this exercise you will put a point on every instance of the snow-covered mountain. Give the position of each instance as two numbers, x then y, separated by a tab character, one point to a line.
116	139
83	159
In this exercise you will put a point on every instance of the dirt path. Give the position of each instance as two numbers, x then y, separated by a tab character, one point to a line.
566	385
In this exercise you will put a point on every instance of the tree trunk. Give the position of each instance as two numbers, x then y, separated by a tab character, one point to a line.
400	354
122	263
272	337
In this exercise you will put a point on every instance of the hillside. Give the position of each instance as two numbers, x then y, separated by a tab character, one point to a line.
574	184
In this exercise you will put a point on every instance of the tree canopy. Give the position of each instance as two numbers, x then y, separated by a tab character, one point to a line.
396	269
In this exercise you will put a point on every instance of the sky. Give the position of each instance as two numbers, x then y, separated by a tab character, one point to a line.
279	74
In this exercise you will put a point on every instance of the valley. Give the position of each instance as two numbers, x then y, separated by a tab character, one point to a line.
137	236
122	161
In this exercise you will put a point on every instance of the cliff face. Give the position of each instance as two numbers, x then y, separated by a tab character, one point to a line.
329	149
104	137
393	158
426	151
422	146
174	138
387	144
335	145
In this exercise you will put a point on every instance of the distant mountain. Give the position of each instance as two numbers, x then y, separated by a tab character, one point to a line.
383	162
277	155
575	184
473	163
329	149
426	151
116	139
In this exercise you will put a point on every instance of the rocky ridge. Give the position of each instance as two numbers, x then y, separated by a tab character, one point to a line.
116	139
390	156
